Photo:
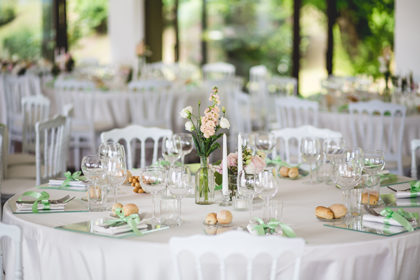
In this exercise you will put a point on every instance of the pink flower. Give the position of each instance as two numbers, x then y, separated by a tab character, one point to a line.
232	159
256	165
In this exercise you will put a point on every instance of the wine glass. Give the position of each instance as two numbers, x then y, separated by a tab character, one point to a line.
178	185
373	162
187	144
153	180
265	141
332	150
266	186
116	172
172	149
93	170
310	149
349	174
246	188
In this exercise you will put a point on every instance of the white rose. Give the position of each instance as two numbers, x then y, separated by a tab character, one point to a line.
185	113
189	126
224	123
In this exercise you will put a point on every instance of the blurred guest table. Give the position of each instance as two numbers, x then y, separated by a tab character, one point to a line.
330	253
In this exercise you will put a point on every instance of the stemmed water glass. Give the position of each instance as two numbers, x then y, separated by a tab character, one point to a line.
246	188
178	185
266	186
373	162
172	149
93	169
265	141
116	172
310	149
153	180
186	143
349	174
332	150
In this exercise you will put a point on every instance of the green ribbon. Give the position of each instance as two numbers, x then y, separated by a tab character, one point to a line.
415	189
408	215
133	220
39	197
388	214
277	161
263	228
76	176
388	178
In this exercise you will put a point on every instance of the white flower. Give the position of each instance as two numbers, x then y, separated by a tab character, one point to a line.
186	112
189	126
224	123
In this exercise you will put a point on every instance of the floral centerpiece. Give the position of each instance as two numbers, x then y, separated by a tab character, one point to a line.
205	132
252	164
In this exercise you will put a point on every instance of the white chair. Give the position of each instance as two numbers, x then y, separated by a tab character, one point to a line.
50	156
152	108
15	234
218	71
293	112
135	132
73	84
239	116
288	135
415	144
149	85
373	129
241	246
68	112
34	108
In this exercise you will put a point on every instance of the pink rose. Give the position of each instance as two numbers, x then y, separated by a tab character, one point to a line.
232	159
256	165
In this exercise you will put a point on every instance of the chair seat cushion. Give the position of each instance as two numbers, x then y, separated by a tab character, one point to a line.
18	159
16	186
22	171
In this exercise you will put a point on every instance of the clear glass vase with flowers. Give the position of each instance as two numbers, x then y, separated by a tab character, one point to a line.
205	132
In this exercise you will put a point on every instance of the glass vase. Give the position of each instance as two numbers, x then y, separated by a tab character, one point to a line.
232	183
204	183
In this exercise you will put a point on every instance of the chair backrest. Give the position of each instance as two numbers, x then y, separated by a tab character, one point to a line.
135	132
149	85
240	116
50	148
381	126
293	112
415	144
73	84
234	243
15	234
287	135
152	108
35	109
218	70
34	84
68	112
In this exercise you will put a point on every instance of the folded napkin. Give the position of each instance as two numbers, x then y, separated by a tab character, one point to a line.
380	220
27	207
71	185
387	229
272	227
394	218
403	202
116	229
413	192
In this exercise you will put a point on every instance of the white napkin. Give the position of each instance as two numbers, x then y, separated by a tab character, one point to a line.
379	219
381	227
403	202
401	194
72	184
102	228
26	207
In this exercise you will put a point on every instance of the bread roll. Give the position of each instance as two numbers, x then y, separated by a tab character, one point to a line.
373	198
324	212
224	217
293	173
116	206
339	210
129	209
211	219
284	170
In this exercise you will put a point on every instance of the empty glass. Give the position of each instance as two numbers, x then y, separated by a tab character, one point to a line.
349	174
93	170
187	144
116	172
332	150
310	149
373	162
246	188
266	187
153	180
172	149
178	185
265	141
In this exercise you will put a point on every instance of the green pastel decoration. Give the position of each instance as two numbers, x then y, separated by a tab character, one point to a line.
40	197
270	228
76	176
389	214
132	220
415	187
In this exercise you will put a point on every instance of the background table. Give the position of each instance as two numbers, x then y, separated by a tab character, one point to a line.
330	253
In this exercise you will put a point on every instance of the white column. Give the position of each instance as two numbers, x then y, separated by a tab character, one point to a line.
407	38
126	25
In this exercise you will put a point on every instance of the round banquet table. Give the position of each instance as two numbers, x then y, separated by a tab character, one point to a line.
330	253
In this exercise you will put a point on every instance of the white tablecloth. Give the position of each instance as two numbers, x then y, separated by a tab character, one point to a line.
330	253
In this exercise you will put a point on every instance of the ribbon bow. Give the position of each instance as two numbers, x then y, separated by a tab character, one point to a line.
39	197
277	161
76	176
263	228
133	220
388	214
415	187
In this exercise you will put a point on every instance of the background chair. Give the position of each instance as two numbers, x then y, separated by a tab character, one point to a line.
288	136
15	234
50	148
239	116
34	108
218	71
135	132
241	246
415	144
379	125
293	112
